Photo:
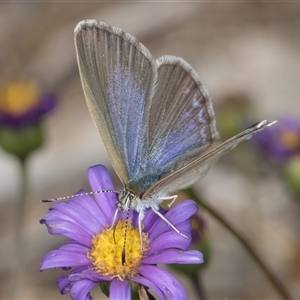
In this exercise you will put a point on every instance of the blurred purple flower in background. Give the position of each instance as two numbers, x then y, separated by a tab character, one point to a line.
95	253
281	141
22	108
22	104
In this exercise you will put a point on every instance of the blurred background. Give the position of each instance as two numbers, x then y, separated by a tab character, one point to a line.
248	56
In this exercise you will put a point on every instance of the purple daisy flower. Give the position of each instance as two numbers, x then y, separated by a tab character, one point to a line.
21	104
95	253
281	141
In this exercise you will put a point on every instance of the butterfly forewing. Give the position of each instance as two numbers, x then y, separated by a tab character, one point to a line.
117	77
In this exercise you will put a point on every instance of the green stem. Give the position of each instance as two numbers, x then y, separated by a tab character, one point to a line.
19	232
277	285
21	209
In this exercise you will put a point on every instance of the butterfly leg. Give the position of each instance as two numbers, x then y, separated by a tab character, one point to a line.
173	198
155	210
141	217
115	219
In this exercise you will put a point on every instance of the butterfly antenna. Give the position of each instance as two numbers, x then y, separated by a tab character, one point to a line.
77	195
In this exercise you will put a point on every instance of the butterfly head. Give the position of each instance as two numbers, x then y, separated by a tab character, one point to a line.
127	200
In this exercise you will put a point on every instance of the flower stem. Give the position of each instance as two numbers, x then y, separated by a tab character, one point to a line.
18	267
277	285
196	280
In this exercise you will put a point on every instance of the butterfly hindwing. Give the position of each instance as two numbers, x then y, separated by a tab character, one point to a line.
179	125
185	113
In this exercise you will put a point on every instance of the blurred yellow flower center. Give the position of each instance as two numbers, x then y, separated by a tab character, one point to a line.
290	139
17	98
110	257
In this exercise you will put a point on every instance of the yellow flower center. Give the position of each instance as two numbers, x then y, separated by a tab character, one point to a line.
117	252
290	139
17	98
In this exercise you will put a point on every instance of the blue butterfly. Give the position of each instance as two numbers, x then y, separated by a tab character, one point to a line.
154	116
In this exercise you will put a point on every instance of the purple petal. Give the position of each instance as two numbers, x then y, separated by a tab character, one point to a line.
179	215
81	290
63	284
66	281
88	204
119	290
169	285
174	256
87	273
184	227
167	240
182	211
58	226
80	216
150	219
63	258
74	247
144	281
99	179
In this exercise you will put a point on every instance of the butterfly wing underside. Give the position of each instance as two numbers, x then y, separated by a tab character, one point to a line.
116	88
154	116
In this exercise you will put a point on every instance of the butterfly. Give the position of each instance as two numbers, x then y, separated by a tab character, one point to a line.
155	117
